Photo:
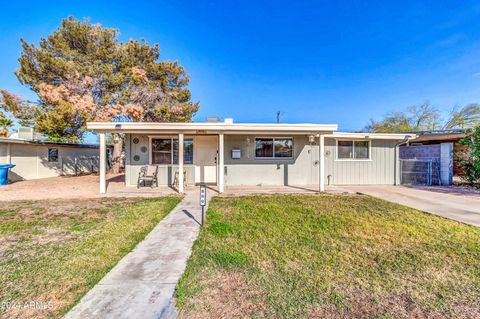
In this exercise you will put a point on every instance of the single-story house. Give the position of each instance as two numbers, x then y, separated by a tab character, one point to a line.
35	159
227	153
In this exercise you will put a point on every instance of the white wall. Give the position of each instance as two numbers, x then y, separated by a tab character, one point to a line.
31	161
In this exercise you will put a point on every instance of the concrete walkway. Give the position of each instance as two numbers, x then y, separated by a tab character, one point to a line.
464	208
142	284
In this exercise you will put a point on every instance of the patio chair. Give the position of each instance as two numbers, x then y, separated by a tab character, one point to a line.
176	180
148	173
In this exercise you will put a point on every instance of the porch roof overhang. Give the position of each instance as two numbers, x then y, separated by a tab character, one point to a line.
209	128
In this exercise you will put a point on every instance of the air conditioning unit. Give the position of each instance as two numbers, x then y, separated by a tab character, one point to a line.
25	133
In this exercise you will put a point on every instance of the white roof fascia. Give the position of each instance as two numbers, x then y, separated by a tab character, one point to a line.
209	128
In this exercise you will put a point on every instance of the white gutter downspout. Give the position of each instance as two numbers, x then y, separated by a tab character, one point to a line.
397	158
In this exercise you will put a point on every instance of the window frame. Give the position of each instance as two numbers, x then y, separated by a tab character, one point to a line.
172	138
353	150
273	140
49	158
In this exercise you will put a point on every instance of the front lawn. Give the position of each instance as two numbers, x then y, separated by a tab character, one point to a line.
345	256
52	252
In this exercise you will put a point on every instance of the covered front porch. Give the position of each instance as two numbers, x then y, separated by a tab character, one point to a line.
227	157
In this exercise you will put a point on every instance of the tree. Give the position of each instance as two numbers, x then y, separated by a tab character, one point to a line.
12	105
468	158
82	72
426	117
466	117
5	123
414	118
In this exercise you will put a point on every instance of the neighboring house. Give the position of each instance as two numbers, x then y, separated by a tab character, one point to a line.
40	159
254	154
436	137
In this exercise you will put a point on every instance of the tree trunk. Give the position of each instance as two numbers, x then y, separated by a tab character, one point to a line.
117	153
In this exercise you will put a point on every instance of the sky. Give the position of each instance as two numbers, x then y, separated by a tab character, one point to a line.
329	62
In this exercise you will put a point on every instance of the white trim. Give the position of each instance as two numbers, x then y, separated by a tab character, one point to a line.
180	162
221	167
321	149
208	128
353	150
273	156
102	159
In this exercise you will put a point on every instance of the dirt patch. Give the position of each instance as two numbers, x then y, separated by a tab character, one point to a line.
226	295
86	186
360	304
38	223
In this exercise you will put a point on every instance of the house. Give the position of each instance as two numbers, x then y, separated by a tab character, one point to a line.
227	153
35	159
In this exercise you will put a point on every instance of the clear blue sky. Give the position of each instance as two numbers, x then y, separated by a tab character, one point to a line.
321	61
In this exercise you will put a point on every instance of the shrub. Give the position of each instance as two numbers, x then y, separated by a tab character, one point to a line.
469	158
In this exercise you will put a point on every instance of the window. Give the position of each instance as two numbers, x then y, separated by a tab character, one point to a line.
264	147
355	150
162	151
361	150
345	149
165	151
187	151
283	147
53	155
273	147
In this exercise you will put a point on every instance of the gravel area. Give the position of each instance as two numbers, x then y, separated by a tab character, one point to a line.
86	186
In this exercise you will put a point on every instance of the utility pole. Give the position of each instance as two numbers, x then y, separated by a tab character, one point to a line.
278	117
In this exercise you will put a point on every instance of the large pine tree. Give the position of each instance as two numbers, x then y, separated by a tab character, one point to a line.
82	72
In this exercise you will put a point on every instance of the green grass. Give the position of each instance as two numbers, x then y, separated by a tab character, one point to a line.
294	256
54	251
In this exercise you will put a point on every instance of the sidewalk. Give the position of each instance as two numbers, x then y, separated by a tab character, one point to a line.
142	284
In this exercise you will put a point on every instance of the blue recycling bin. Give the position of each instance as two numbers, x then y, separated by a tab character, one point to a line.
4	173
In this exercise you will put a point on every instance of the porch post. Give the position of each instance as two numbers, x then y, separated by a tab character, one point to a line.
321	151
102	163
221	169
180	162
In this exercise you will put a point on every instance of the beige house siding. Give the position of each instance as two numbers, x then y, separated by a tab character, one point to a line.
302	169
378	170
31	161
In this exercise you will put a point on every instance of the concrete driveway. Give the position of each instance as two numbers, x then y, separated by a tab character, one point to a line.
448	202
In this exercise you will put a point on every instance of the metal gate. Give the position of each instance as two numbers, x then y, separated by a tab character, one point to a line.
420	172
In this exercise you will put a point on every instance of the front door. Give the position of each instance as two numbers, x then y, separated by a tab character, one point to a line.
205	159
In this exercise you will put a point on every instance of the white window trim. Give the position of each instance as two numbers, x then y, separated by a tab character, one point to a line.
273	157
172	137
353	150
